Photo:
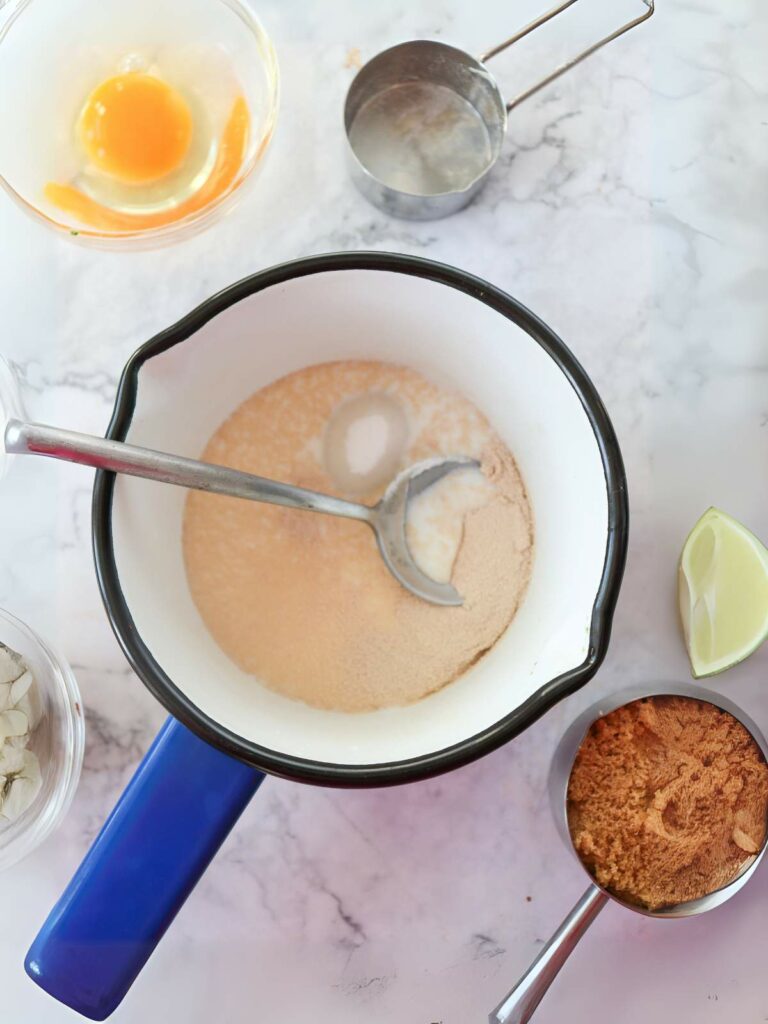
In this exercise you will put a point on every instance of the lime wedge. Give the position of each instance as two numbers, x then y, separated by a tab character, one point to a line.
723	591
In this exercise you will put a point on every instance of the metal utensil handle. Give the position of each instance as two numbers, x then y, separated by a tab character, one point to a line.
100	453
562	68
520	1005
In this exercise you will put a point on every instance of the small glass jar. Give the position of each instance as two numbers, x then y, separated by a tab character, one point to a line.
57	740
10	408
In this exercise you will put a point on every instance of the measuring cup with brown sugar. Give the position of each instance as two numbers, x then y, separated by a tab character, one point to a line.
661	792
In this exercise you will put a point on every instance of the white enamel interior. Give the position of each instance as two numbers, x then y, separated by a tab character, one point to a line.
455	340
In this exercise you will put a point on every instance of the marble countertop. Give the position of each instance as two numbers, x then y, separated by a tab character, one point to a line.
629	210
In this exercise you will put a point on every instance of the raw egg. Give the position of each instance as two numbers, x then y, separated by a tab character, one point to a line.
136	128
117	148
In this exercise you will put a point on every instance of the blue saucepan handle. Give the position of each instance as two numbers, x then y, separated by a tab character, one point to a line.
167	826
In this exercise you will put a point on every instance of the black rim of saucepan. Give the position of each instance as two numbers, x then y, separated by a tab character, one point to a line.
429	764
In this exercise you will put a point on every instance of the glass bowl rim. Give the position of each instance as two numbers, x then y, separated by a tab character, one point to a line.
195	221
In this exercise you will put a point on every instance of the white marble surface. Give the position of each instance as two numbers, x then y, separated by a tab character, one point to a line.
630	211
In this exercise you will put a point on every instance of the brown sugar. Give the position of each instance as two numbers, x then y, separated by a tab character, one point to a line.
667	800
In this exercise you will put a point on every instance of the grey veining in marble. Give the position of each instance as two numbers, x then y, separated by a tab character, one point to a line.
630	211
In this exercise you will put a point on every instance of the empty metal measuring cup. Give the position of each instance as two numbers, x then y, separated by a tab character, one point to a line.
425	121
521	1002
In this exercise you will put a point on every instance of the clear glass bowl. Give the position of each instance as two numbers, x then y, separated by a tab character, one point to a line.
58	740
53	53
10	408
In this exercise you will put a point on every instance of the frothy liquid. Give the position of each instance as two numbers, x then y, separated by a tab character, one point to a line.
422	138
303	602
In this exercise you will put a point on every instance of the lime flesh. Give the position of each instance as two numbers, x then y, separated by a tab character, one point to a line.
723	592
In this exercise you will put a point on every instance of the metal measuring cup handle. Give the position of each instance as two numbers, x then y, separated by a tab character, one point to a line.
519	1005
562	68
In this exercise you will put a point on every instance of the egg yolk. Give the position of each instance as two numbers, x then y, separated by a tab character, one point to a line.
136	128
229	160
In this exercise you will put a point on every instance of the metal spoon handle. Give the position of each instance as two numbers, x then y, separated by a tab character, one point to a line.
520	1005
89	450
